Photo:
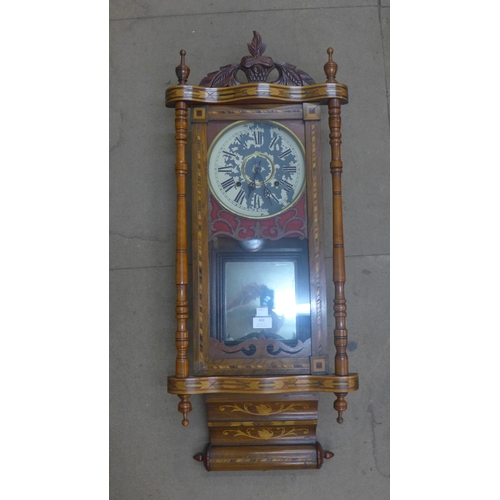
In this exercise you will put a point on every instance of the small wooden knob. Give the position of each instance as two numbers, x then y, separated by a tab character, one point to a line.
184	408
328	455
199	457
182	71
340	405
330	67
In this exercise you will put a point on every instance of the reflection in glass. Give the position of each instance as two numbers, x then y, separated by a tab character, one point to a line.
253	245
260	298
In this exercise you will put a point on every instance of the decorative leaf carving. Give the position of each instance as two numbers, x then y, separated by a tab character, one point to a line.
289	74
256	47
305	77
225	77
257	68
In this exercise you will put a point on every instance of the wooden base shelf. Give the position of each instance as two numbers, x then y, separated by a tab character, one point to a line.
262	433
263	384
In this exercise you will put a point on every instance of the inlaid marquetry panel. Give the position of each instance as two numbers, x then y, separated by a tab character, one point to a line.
247	420
263	112
263	434
256	93
263	384
263	409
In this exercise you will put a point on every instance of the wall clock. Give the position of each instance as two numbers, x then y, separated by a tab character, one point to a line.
258	308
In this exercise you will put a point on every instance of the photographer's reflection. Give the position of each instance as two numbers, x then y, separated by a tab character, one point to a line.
239	314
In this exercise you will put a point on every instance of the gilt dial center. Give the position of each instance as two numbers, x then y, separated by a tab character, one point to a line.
258	168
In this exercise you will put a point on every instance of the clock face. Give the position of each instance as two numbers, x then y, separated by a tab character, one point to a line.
256	169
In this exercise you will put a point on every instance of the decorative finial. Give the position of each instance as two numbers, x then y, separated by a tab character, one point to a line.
182	71
257	67
340	405
185	413
330	67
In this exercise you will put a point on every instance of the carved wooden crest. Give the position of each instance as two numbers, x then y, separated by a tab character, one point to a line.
257	68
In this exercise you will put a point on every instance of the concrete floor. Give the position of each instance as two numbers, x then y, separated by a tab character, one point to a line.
150	452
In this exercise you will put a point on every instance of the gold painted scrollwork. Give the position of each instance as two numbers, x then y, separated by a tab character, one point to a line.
263	409
266	433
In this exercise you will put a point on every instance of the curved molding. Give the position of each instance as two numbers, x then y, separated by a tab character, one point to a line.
255	93
263	385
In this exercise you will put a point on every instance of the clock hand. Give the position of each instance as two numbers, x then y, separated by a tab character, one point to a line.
258	170
251	185
270	196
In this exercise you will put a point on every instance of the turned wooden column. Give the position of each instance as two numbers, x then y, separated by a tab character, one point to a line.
181	261
339	307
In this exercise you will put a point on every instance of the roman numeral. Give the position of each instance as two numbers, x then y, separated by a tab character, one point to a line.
241	142
270	196
224	170
228	153
228	184
258	137
286	185
271	144
290	169
285	153
256	201
240	196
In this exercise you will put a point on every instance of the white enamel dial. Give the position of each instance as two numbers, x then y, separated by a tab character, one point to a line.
256	169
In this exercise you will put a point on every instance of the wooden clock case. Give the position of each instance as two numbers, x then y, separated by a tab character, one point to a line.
261	393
